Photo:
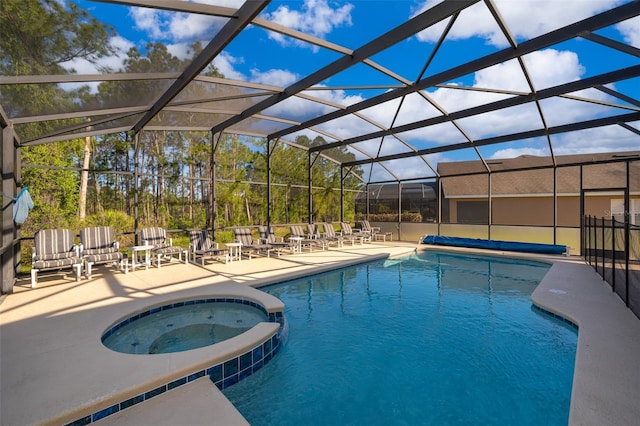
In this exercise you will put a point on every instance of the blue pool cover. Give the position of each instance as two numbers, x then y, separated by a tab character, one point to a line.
494	244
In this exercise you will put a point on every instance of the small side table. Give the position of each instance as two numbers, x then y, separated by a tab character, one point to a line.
297	241
235	251
134	256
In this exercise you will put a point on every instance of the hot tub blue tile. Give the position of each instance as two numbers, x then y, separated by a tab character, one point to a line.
230	367
80	422
181	381
215	373
257	354
229	381
155	392
196	375
245	360
131	401
106	412
245	373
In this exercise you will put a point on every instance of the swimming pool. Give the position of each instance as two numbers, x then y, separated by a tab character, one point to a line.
433	338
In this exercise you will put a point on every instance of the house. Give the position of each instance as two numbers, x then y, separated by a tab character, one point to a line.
526	196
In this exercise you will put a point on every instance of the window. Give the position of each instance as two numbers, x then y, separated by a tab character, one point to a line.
617	210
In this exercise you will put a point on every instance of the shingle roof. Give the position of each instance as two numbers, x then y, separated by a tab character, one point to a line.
539	181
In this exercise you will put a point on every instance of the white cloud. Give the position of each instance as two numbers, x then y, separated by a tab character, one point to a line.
148	21
316	17
517	152
112	62
274	77
630	30
524	18
225	64
174	26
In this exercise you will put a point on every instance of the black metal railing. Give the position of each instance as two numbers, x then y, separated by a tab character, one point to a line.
613	249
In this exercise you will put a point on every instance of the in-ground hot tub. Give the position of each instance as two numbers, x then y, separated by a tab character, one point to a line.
225	355
184	325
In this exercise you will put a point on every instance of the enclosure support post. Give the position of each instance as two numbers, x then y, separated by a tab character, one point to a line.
367	200
310	181
342	176
136	179
582	239
399	210
555	205
269	181
489	207
439	204
213	200
10	161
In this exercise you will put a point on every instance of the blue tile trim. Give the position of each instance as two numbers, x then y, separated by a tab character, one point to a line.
223	374
273	316
560	317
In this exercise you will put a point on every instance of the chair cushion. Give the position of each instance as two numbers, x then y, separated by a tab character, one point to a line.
51	244
59	263
155	236
243	235
55	256
167	250
200	240
98	237
104	257
99	251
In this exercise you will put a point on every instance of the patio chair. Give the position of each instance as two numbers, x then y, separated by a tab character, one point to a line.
375	232
162	247
203	247
348	232
98	246
330	233
267	236
304	239
313	231
249	246
54	249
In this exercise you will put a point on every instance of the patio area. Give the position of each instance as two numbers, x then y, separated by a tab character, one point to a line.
55	369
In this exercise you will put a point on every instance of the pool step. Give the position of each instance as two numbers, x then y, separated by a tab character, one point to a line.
197	403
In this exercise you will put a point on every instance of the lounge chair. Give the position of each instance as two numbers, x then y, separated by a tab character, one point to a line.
375	232
313	230
162	247
54	249
249	246
98	246
348	232
330	234
267	236
303	238
203	247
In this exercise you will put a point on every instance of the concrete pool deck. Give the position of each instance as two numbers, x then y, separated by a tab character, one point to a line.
54	368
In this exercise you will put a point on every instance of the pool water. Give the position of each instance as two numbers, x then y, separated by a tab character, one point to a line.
429	339
184	327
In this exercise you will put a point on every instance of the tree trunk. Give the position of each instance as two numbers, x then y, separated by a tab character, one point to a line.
84	179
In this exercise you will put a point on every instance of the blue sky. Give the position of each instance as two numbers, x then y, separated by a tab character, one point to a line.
264	57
